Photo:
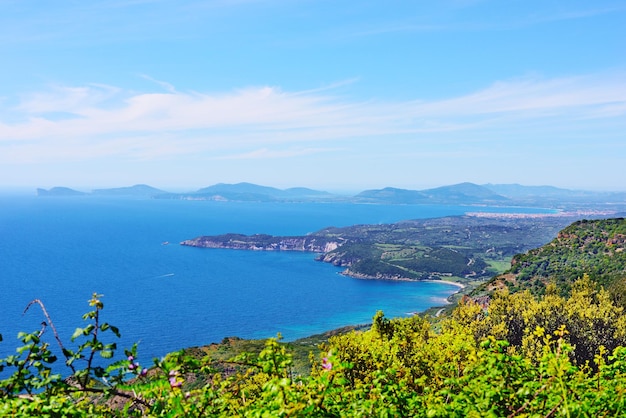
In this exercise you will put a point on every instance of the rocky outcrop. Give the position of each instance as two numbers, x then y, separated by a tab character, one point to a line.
377	276
338	259
262	242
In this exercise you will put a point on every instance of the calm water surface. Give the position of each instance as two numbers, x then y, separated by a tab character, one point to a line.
167	297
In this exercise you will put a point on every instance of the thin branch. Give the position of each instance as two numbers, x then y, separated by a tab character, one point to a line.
553	410
521	408
93	350
54	330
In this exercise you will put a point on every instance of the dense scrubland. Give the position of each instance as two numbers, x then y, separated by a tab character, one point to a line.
546	338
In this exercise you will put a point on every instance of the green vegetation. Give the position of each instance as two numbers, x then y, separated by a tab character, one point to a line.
595	248
551	356
465	247
557	352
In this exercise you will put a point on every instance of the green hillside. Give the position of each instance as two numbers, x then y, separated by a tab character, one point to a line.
468	249
596	248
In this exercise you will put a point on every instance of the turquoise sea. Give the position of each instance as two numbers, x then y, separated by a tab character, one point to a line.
166	296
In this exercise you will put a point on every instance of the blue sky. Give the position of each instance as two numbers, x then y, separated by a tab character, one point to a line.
333	95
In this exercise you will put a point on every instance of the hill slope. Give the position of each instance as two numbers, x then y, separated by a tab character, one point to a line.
59	191
463	193
465	247
596	248
142	190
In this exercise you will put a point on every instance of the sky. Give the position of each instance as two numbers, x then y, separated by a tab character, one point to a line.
334	95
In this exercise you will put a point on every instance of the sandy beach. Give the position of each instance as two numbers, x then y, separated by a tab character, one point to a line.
459	285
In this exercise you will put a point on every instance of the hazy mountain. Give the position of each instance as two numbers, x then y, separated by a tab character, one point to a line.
516	191
392	195
142	190
252	193
462	193
456	194
240	188
466	193
303	191
554	196
59	191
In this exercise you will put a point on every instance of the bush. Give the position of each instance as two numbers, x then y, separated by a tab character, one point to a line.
523	356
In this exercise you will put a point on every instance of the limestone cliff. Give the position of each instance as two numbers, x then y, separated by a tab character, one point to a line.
263	242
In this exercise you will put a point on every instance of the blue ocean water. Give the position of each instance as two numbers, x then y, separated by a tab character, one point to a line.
166	297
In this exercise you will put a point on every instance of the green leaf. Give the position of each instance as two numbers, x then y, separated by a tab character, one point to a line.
116	331
99	371
77	333
23	348
106	353
87	330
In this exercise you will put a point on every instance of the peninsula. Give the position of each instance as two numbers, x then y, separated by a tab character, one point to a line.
467	249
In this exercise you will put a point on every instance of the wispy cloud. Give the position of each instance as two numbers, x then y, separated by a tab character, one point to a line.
165	85
579	13
448	17
535	96
266	122
66	99
265	153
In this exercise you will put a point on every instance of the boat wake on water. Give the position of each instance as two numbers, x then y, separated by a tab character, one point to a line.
164	275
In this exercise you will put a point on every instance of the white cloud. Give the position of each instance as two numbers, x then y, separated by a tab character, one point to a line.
165	85
266	122
67	99
534	95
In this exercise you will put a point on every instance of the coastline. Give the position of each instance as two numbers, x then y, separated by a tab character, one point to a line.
461	286
457	284
359	276
450	299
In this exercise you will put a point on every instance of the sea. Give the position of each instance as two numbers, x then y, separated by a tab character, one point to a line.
164	296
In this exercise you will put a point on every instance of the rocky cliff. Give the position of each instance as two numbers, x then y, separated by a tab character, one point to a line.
263	242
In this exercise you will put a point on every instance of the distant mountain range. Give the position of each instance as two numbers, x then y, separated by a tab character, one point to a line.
138	190
221	192
463	193
549	193
457	194
249	192
59	191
